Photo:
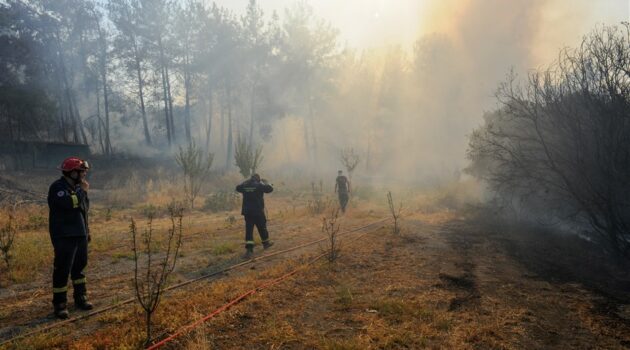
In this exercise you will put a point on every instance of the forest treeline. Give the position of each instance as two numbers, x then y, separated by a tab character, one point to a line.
77	71
162	73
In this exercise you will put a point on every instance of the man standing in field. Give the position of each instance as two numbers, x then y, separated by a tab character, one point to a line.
253	210
342	188
68	225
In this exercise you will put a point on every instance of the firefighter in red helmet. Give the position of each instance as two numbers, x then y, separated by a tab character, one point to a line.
69	232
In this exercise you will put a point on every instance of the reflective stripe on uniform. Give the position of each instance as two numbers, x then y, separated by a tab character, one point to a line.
79	281
249	189
266	240
60	289
75	200
250	242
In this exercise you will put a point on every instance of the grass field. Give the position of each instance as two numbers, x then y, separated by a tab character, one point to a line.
452	279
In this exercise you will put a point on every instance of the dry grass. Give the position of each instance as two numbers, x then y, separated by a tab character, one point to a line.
224	248
385	292
30	248
30	252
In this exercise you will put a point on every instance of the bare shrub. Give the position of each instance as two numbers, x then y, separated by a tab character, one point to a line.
7	237
150	279
331	228
350	160
196	168
558	147
247	157
395	212
318	202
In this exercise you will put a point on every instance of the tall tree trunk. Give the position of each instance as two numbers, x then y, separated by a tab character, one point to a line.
187	107
64	98
79	120
166	114
73	111
228	158
252	109
209	123
61	111
83	54
68	103
187	96
170	105
223	124
145	123
103	59
108	143
99	121
73	121
167	95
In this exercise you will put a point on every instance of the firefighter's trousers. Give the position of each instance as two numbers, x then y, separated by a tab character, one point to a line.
260	221
71	257
343	200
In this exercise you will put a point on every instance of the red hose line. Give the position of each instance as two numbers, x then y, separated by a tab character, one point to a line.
179	285
190	326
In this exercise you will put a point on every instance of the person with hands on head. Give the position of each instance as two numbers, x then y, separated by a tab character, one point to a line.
253	210
68	205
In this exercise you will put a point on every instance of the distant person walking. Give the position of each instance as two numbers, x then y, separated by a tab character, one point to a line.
69	232
253	210
342	188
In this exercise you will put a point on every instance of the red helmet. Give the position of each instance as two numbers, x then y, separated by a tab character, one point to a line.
74	163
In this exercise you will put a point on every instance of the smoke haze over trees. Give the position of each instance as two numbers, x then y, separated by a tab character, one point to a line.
146	76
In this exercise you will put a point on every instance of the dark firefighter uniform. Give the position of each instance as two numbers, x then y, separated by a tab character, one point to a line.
343	190
68	225
253	210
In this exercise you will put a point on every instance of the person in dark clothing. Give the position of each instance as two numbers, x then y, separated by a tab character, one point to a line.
253	210
342	188
69	232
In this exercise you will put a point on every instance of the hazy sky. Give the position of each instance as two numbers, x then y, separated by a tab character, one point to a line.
370	23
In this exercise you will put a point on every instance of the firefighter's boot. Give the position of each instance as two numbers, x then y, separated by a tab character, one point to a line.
59	302
80	295
81	302
61	310
267	244
249	252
